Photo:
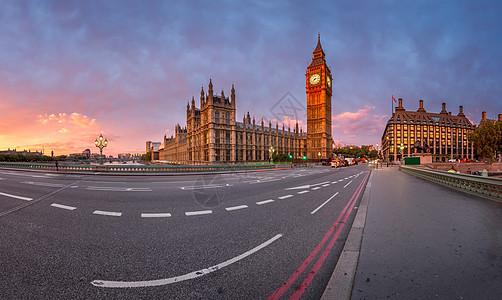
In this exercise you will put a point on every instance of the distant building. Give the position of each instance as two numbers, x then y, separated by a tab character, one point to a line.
213	135
86	153
484	119
443	134
124	156
24	152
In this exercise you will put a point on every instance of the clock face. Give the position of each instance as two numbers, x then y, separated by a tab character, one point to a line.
328	80
315	78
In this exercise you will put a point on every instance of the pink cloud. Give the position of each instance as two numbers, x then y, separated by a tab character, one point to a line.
360	127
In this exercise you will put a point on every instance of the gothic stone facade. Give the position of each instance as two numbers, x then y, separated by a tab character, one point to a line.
213	136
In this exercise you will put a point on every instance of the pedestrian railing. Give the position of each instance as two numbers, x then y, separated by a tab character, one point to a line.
486	187
135	168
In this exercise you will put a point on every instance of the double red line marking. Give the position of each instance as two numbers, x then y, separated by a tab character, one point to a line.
305	283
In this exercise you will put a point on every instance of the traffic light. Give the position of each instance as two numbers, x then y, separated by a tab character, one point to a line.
305	157
290	156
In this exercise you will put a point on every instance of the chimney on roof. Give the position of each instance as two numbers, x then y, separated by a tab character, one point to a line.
421	108
461	111
443	111
500	117
400	102
483	116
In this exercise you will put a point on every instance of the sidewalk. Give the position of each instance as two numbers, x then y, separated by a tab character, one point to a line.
421	241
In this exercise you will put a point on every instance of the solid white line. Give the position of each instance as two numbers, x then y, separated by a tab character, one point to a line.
264	201
285	197
17	197
63	206
158	215
107	213
200	212
318	208
347	184
316	188
302	192
192	275
236	207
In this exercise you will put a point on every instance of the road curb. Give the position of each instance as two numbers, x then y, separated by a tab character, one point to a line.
342	280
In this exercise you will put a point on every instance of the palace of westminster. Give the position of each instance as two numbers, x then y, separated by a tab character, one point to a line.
213	136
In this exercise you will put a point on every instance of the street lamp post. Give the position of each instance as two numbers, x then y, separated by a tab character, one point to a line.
319	155
101	144
271	151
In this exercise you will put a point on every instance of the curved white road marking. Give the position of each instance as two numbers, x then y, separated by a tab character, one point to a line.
17	197
192	275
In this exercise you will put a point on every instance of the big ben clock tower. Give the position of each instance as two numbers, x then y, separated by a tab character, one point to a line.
319	91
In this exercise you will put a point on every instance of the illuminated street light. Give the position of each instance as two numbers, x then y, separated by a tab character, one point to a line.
101	144
271	151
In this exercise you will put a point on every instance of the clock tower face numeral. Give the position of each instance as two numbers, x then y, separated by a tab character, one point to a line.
315	79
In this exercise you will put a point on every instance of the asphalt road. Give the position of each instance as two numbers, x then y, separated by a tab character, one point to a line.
274	234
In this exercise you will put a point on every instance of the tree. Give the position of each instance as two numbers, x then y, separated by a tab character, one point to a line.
373	154
487	139
147	156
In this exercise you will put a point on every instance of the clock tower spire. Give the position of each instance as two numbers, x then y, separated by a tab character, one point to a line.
319	91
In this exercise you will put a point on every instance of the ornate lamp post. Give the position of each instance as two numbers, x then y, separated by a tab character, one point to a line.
101	144
271	151
319	155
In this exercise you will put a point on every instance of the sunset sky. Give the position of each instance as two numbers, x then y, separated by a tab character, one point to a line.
70	70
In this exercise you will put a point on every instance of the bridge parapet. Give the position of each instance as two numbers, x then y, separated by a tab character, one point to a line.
137	169
486	187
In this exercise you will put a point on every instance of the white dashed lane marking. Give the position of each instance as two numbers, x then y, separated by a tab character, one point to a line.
236	207
43	184
325	185
264	202
199	212
63	206
285	197
107	213
117	189
316	188
156	215
320	206
347	184
302	192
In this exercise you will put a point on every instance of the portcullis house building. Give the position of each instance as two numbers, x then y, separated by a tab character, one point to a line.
443	134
